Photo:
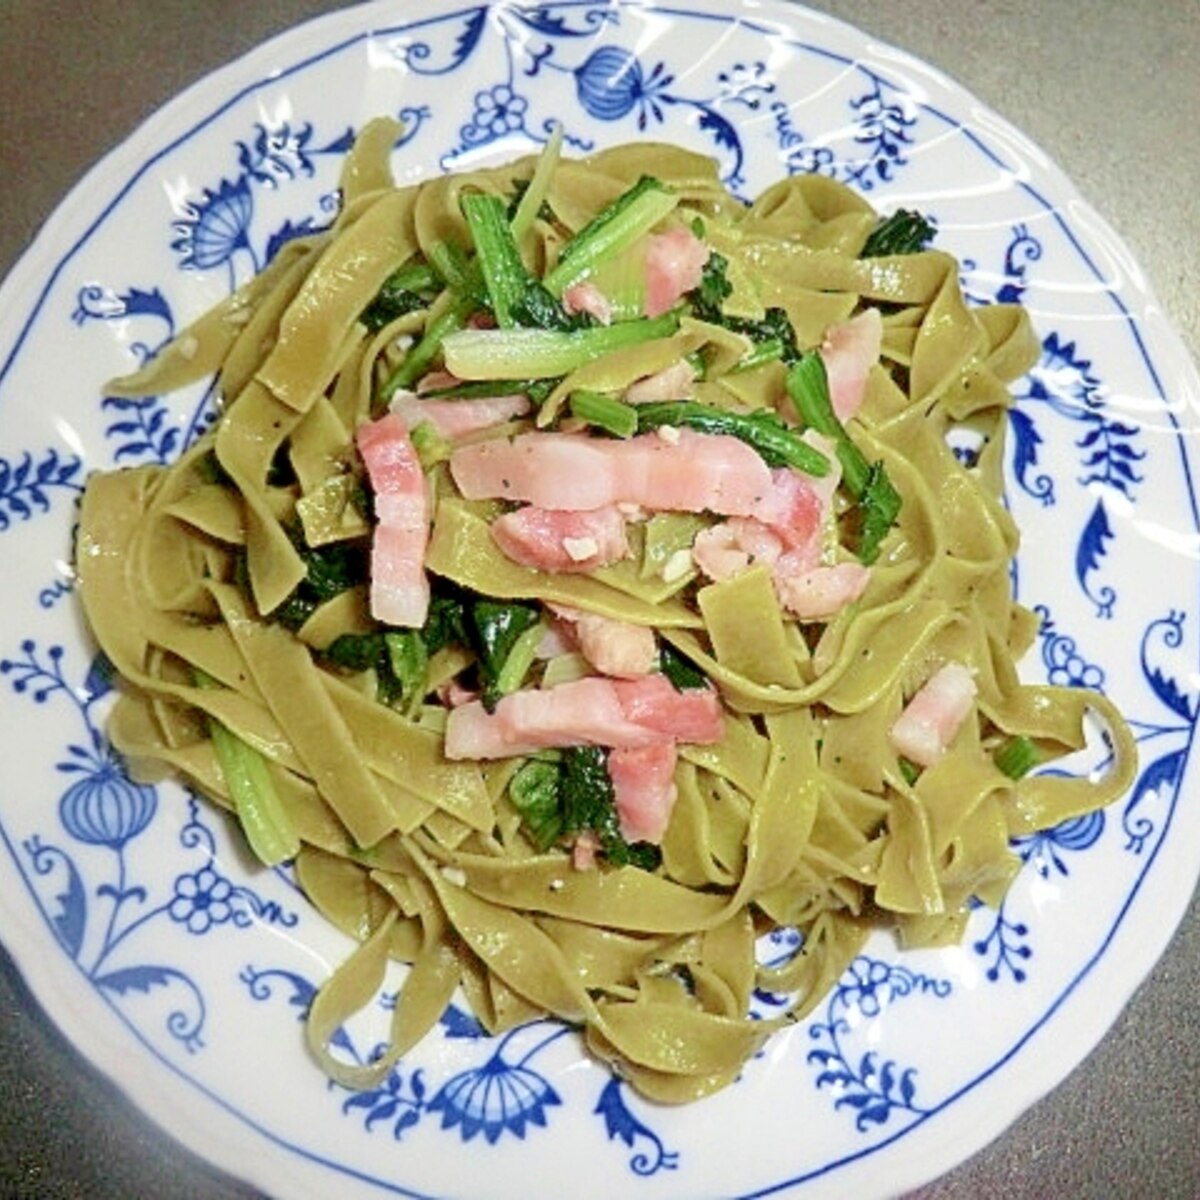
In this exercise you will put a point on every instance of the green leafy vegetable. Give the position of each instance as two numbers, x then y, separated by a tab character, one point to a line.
329	571
904	232
714	287
761	353
868	483
682	673
764	430
405	290
774	336
544	353
879	504
514	295
520	659
612	231
574	796
495	628
446	622
605	412
458	272
421	357
480	387
264	820
1017	756
534	792
399	658
408	664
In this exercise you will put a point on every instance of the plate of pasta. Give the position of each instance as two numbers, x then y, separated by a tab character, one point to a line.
565	603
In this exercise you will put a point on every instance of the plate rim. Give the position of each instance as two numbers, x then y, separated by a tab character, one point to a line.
113	167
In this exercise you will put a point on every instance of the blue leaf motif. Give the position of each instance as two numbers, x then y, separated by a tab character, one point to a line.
1163	773
1168	691
621	1125
71	919
135	979
1092	548
459	1024
723	133
469	38
1026	441
382	1112
542	20
619	1122
149	304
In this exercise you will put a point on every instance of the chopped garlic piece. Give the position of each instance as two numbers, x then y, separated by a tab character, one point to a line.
581	549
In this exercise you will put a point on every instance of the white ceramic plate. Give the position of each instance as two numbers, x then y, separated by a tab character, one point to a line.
182	972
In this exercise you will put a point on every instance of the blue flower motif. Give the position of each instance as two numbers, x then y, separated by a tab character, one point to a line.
105	807
216	227
498	110
1066	667
493	1098
201	901
869	986
611	84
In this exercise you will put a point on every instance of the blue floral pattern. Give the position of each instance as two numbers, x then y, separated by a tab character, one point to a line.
128	876
104	808
874	1088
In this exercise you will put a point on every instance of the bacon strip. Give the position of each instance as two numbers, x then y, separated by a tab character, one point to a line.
644	790
399	593
932	718
614	648
674	265
555	540
457	418
692	472
584	712
849	352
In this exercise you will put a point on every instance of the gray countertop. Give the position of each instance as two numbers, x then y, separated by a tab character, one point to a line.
1110	89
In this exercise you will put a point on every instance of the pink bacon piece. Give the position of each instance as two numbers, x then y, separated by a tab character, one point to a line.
455	419
615	648
794	510
818	593
559	540
584	712
849	352
932	718
644	790
692	472
399	593
587	298
674	264
731	547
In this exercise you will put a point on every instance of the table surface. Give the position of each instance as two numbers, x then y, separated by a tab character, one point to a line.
1108	88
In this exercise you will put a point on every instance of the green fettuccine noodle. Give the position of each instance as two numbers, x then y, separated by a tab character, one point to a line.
230	589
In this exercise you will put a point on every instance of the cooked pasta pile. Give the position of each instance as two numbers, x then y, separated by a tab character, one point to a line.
816	719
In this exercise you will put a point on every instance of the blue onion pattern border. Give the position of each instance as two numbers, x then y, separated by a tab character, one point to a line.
102	807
